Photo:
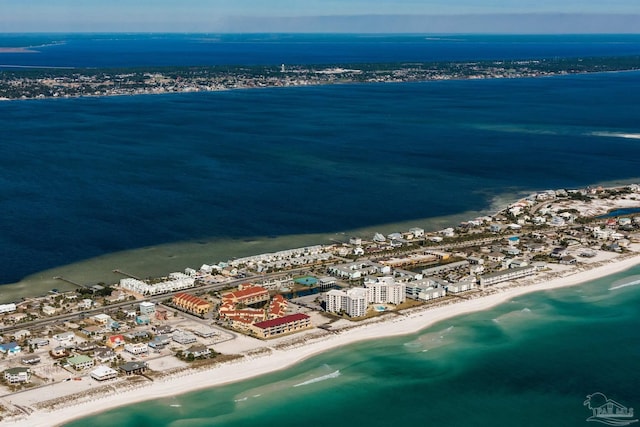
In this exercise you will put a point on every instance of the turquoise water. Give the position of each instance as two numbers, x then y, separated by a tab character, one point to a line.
528	362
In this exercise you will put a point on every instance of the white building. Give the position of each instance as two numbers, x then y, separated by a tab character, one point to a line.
49	310
175	282
136	348
102	373
417	232
506	275
385	290
65	337
147	308
352	301
425	289
7	308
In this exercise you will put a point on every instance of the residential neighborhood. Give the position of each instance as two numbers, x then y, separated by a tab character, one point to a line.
145	329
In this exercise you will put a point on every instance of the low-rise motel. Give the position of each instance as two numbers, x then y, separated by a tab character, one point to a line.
283	325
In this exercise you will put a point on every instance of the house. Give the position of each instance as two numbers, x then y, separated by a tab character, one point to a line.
142	320
159	342
163	329
496	256
197	351
31	360
147	308
137	335
417	232
104	355
161	314
65	337
59	352
17	375
205	332
568	260
92	330
115	342
559	252
80	362
134	368
15	317
136	348
49	310
21	334
183	337
10	348
102	319
103	373
85	304
38	342
86	346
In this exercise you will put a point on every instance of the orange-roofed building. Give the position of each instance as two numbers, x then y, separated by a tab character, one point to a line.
277	307
191	304
115	342
247	295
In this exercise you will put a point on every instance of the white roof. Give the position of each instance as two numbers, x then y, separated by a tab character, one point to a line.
102	371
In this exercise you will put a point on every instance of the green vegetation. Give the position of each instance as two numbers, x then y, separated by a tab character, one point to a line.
74	82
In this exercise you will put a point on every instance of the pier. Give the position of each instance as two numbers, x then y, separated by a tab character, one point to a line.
70	281
126	274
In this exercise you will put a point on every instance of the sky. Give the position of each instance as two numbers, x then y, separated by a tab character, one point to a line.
319	15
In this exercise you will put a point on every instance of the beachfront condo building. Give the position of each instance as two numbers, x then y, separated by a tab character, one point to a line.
385	290
353	301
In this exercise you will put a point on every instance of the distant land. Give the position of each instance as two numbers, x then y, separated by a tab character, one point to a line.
33	83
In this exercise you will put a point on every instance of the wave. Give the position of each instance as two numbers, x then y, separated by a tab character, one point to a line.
617	135
624	285
335	374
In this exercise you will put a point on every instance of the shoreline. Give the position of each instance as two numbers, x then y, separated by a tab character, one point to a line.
292	85
412	321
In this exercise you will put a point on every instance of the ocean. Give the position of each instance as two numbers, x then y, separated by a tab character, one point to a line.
531	361
153	184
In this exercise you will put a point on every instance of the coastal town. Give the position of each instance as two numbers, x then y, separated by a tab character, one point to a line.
39	83
78	347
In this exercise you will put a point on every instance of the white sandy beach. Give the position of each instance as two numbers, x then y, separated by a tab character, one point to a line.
246	368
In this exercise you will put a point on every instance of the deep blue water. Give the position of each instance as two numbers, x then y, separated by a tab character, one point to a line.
121	50
85	177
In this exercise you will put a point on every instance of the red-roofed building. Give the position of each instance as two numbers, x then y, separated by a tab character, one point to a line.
283	325
247	295
191	303
277	307
115	342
